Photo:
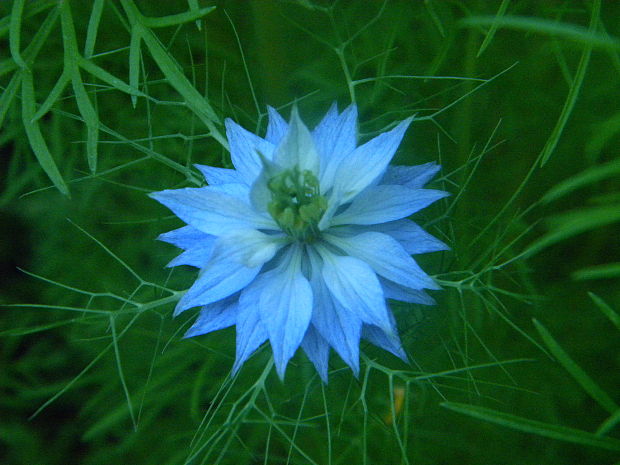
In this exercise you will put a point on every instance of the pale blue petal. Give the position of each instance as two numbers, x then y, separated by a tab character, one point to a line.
260	195
251	332
251	247
234	189
185	237
216	316
237	259
212	212
356	287
198	256
317	350
222	277
384	203
368	162
333	207
386	257
297	148
285	308
330	119
215	176
276	128
198	246
413	177
339	326
335	138
386	341
244	151
411	236
394	291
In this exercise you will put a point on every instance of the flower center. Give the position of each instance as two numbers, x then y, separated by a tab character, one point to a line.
296	203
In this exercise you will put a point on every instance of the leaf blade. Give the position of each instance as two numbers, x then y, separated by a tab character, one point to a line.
539	428
575	370
33	132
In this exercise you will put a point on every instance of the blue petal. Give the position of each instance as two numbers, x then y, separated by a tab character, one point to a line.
297	148
234	189
384	203
339	326
198	245
185	237
216	316
250	247
413	177
394	291
317	350
285	308
386	339
335	138
236	259
251	332
215	176
330	119
386	257
411	236
277	127
198	256
222	277
356	287
244	150
368	162
260	195
212	212
333	207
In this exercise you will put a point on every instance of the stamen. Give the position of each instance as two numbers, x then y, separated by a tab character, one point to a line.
297	204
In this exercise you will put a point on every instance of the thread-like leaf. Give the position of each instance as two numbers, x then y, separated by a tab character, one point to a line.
193	6
81	97
134	62
571	32
605	271
54	95
175	20
171	70
573	92
32	50
108	78
93	27
539	428
489	37
8	95
575	222
606	309
609	424
33	132
575	370
589	176
15	32
31	9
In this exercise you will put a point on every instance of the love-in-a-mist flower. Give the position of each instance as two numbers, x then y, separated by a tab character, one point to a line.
302	243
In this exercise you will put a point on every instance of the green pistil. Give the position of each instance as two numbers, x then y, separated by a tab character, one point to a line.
296	203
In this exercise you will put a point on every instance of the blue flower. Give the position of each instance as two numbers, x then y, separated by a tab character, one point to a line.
302	243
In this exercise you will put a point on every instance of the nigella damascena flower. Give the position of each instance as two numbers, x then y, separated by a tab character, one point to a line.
302	243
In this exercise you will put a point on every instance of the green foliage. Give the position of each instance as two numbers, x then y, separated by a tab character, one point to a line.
588	384
109	100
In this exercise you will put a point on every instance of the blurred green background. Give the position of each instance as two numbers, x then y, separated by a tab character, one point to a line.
518	100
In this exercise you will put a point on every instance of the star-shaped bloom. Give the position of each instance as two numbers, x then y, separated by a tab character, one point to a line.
305	240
